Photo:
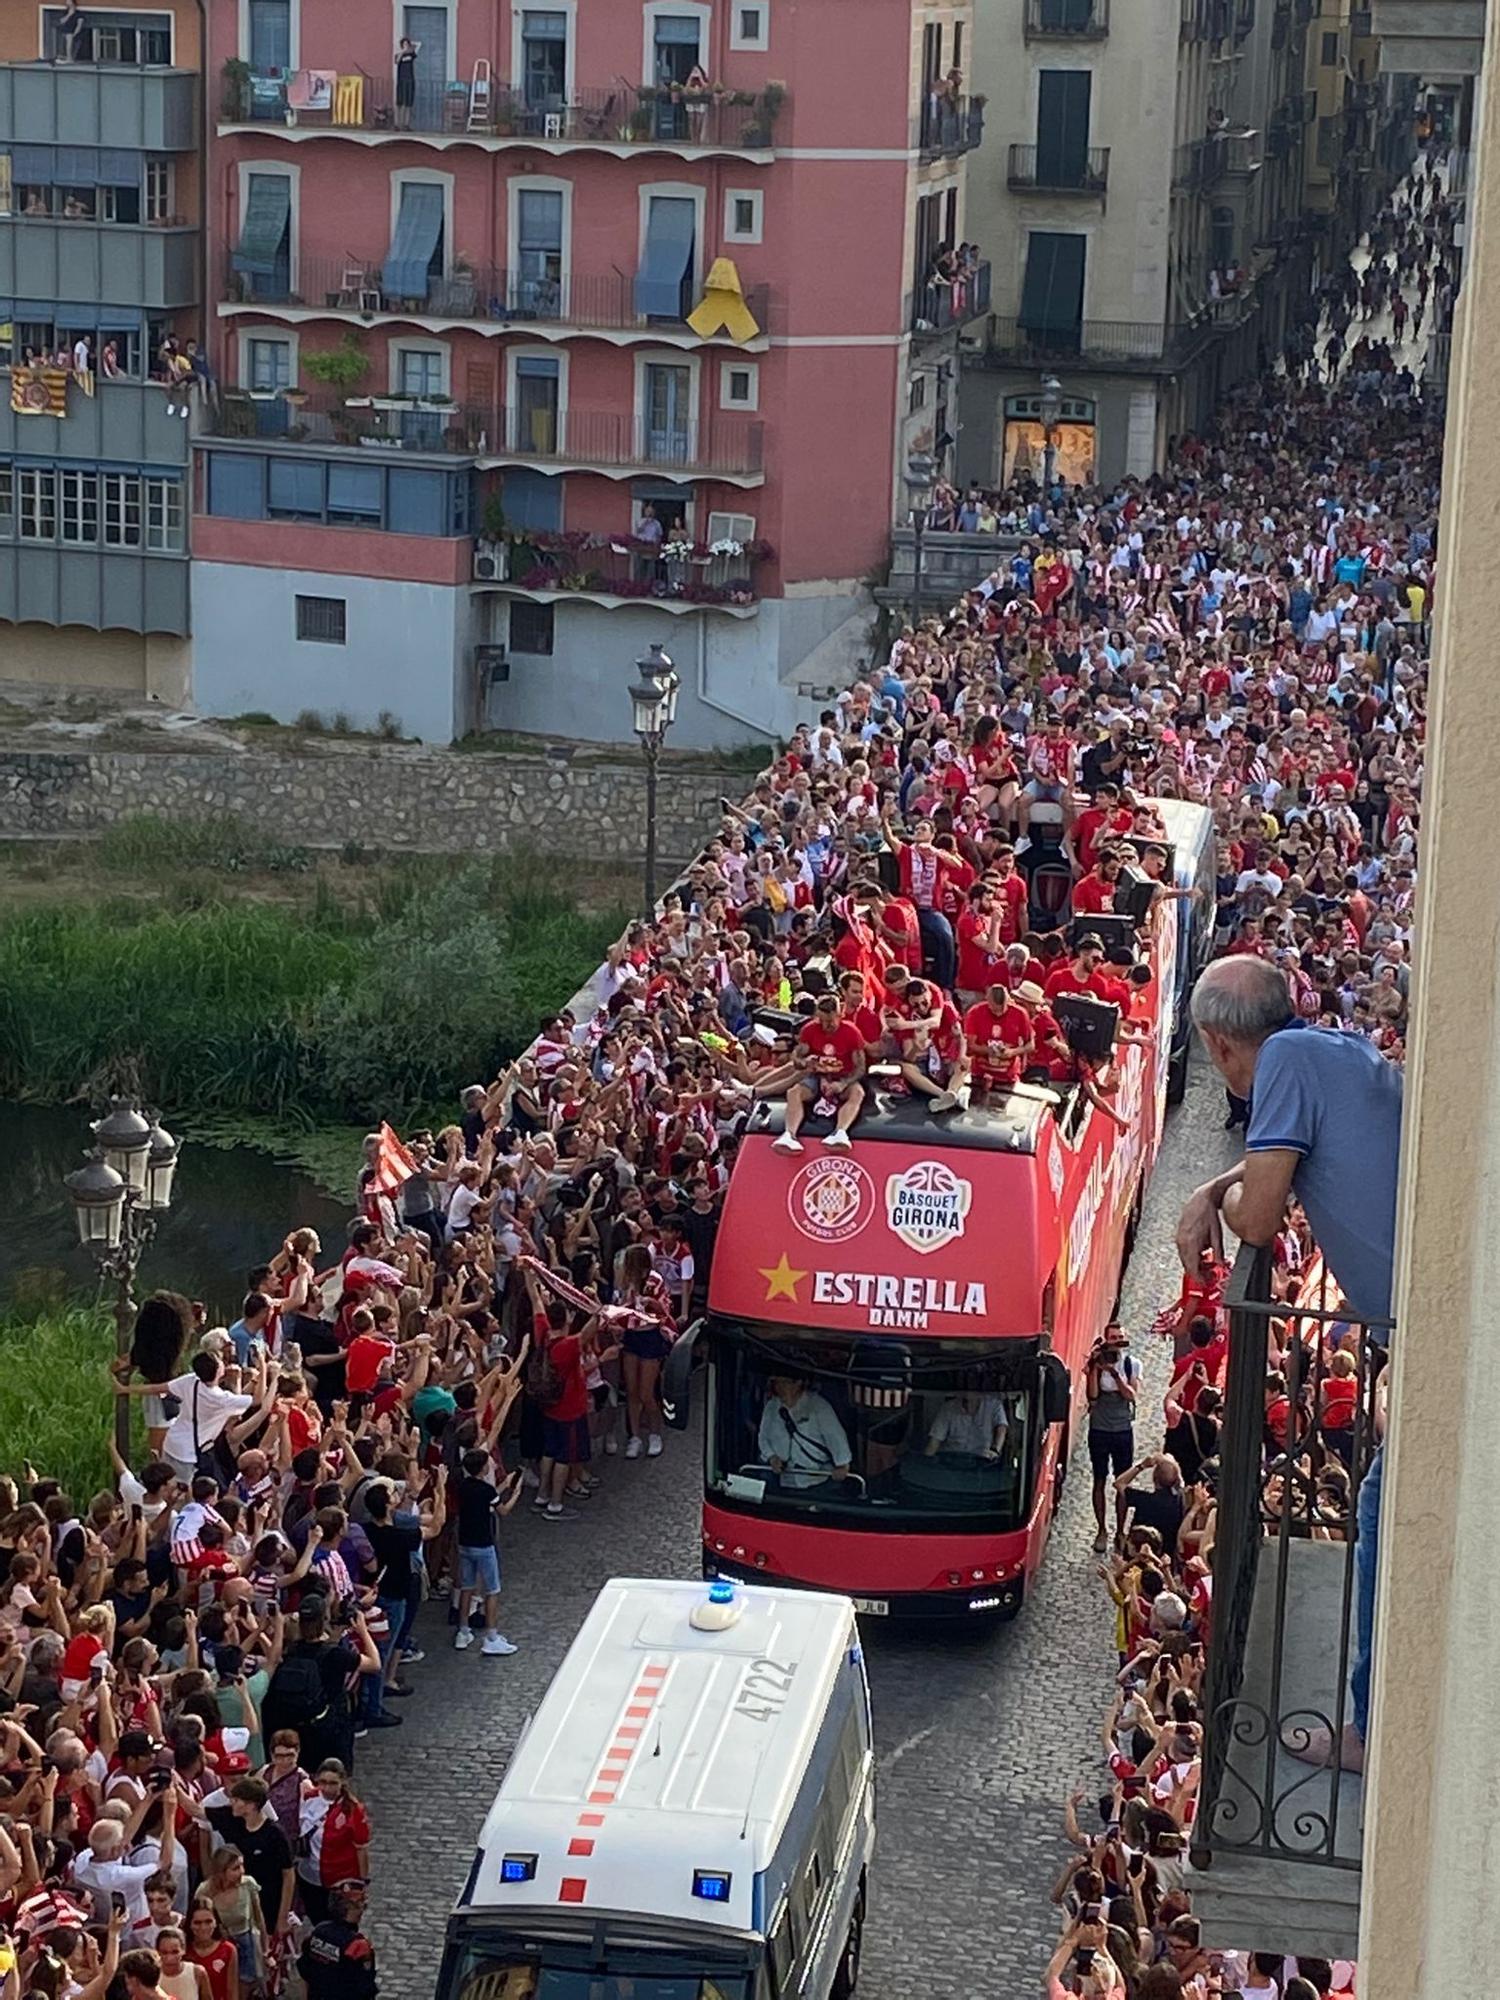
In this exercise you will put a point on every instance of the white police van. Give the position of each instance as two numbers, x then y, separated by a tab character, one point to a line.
689	1815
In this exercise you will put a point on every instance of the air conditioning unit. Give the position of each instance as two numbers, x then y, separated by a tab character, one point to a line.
970	343
492	664
491	562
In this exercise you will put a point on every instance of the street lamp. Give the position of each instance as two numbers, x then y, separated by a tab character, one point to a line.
123	1186
921	477
653	710
1050	406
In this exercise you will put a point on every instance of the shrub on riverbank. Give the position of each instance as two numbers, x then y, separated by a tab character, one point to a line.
55	1403
377	990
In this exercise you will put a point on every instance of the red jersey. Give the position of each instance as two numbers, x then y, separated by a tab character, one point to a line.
988	1033
1010	900
954	886
1092	826
1092	895
362	1366
835	1048
900	915
977	968
1065	980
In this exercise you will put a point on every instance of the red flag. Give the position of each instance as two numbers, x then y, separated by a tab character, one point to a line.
393	1163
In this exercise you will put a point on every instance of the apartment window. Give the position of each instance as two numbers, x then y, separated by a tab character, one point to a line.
263	256
664	282
417	251
110	35
268	364
544	58
80	508
532	628
322	620
163	515
539	251
354	495
1062	127
1331	50
731	528
7	503
958	44
538	404
270	35
119	204
158	190
121	493
750	25
294	489
532	499
739	386
667	407
1052	289
38	504
744	215
421	371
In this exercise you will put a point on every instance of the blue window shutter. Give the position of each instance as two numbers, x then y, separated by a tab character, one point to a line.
32	164
119	167
532	499
236	485
270	34
418	227
670	229
295	486
414	504
679	29
539	214
268	212
76	166
355	489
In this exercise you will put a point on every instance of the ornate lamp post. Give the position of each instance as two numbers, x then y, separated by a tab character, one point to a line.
117	1195
921	478
1051	413
653	710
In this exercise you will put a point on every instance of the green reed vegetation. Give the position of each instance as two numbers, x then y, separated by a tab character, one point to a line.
228	974
54	1394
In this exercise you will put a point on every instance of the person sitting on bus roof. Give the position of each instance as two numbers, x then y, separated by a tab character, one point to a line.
926	1034
1080	973
831	1052
1096	826
1050	1059
1095	892
800	1438
969	1425
997	1042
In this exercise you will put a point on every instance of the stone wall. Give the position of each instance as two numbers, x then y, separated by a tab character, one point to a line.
382	795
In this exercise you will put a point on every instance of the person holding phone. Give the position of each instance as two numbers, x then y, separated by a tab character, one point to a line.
478	1502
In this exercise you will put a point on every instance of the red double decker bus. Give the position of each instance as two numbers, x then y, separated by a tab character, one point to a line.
896	1335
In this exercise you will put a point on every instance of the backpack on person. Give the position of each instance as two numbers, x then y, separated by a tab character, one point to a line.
297	1696
543	1383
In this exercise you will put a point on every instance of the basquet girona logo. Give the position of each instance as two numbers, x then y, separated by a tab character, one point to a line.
831	1199
927	1205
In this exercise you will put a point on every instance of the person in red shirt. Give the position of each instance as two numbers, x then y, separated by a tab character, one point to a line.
1096	823
832	1053
928	1035
896	926
853	1006
1009	885
1050	1060
1095	891
997	1041
980	943
1081	972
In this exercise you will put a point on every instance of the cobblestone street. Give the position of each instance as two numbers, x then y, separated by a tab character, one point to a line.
979	1738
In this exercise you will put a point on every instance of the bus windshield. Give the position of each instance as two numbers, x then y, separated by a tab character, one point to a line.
881	1433
508	1968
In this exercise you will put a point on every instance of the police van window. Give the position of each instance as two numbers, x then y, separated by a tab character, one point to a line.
851	1758
782	1950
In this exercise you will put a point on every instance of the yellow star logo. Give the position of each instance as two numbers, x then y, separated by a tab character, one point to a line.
782	1281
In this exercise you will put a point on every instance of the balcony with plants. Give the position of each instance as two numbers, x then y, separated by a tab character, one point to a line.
620	116
678	573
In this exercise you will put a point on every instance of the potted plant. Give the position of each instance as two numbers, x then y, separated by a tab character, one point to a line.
342	368
234	103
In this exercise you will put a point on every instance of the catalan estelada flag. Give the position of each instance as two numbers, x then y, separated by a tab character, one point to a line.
39	392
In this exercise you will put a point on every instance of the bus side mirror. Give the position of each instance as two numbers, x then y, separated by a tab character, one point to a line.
1057	1390
677	1377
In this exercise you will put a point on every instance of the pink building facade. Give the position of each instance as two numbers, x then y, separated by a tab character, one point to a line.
618	306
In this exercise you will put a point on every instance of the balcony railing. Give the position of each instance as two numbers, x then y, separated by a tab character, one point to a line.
1043	170
951	302
1066	18
1200	162
1298	1437
949	126
616	115
1110	343
727	445
621	566
485	292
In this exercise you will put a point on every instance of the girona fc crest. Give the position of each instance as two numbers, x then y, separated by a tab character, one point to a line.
927	1205
831	1199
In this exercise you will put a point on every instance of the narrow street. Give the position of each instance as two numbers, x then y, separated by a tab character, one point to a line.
979	1738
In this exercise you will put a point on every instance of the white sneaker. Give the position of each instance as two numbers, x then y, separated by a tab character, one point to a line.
653	1445
838	1141
529	1478
633	1448
496	1645
611	1447
944	1101
463	1638
786	1144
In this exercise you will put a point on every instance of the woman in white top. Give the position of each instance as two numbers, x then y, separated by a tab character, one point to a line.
181	1980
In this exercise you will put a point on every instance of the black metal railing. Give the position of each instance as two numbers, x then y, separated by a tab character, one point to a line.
621	114
948	126
1111	341
1066	17
621	566
1298	1436
1046	170
486	292
950	302
726	444
1200	162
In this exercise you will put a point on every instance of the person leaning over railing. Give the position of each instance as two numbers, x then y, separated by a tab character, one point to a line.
1325	1126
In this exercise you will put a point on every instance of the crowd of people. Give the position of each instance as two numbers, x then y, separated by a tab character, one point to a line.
191	1661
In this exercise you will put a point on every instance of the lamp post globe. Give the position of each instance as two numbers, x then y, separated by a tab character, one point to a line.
161	1166
97	1193
653	710
124	1136
921	478
1050	406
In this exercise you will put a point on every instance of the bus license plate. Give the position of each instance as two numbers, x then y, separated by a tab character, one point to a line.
874	1607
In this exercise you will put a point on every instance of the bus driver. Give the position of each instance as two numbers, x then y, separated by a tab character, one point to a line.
800	1438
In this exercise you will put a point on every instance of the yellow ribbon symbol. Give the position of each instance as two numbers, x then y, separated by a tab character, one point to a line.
722	306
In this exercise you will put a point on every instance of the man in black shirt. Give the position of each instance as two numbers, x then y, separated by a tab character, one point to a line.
239	1816
1162	1504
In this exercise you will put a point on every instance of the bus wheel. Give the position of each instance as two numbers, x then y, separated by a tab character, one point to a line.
846	1977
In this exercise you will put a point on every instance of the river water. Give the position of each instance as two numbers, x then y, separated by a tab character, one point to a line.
231	1209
